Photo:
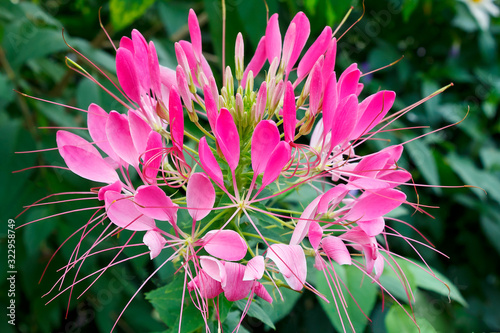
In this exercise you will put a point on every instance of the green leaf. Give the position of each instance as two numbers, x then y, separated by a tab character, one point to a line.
472	175
255	311
124	12
361	288
421	155
398	321
280	308
491	228
409	7
438	283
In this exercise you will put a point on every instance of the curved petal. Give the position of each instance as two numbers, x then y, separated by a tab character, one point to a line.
318	48
96	123
200	196
305	220
372	227
344	121
176	117
116	187
279	158
258	60
155	242
373	205
289	113
120	139
153	202
254	269
372	110
213	267
291	262
195	33
303	29
336	250
123	212
65	138
88	165
262	292
330	102
315	234
209	288
152	156
234	287
225	244
228	138
209	163
264	140
127	77
139	131
273	39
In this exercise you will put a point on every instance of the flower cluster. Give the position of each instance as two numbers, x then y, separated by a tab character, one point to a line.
246	148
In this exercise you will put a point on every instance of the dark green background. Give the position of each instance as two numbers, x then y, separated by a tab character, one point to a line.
441	43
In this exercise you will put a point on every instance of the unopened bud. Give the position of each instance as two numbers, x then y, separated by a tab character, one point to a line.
288	45
260	104
249	83
183	87
307	126
271	75
240	109
161	111
182	60
228	81
214	90
277	95
239	57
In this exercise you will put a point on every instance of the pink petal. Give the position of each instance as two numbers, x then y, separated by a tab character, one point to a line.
315	234
279	159
254	269
127	43
176	115
330	102
154	241
200	196
305	220
288	45
369	166
264	139
193	64
291	262
331	198
195	33
316	90
344	120
65	138
396	177
273	39
260	104
120	139
213	267
228	138
123	212
211	107
88	165
262	292
209	288
116	187
336	250
154	70
168	80
141	60
318	48
127	77
153	202
373	205
348	81
379	267
257	61
234	287
225	244
303	29
372	227
152	156
289	113
209	163
372	110
96	122
139	131
330	57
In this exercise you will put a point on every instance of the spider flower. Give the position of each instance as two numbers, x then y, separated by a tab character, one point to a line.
252	153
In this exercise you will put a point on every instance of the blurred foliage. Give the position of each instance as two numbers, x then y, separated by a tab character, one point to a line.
441	43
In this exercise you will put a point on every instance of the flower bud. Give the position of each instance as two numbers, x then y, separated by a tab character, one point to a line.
239	57
260	105
277	95
239	107
228	81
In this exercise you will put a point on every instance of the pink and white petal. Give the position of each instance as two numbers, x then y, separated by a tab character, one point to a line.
65	138
200	196
153	202
176	117
88	165
127	77
154	70
208	287
372	227
213	267
332	198
122	211
120	139
305	220
96	123
153	156
379	267
303	29
291	262
336	250
315	234
155	242
225	244
262	292
254	269
233	285
139	131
